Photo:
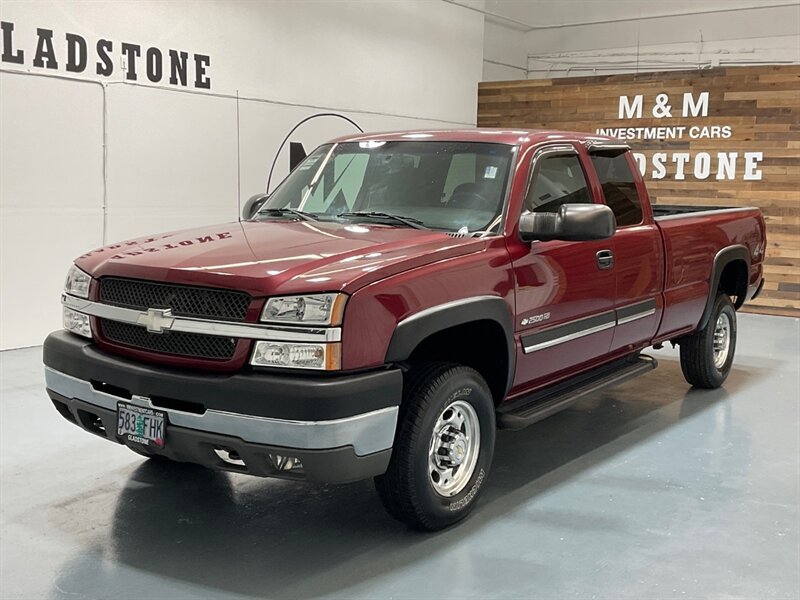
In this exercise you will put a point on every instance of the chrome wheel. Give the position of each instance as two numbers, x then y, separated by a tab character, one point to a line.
454	448
722	340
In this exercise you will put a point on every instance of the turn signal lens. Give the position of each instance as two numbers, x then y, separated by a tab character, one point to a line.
325	357
77	322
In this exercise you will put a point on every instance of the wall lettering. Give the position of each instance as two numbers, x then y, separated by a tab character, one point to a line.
724	165
76	54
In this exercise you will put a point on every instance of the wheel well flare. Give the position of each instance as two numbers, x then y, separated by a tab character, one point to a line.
480	345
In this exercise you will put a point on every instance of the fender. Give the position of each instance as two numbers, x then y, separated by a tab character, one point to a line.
411	331
723	258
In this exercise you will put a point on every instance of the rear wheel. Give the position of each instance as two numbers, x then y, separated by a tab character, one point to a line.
707	354
443	447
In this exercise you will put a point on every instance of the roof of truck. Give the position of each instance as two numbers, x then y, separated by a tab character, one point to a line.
499	136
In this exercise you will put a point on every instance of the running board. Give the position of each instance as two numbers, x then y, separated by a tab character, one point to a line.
543	403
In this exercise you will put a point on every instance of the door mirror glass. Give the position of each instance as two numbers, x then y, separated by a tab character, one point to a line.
572	222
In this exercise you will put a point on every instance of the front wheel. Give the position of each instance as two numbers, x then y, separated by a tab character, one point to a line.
707	354
443	447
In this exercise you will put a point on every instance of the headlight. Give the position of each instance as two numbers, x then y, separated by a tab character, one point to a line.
77	322
77	283
317	309
325	357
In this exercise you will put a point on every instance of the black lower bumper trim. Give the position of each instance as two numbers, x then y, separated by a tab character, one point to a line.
335	465
280	396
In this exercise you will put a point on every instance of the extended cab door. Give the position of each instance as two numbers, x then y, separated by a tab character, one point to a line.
565	291
638	253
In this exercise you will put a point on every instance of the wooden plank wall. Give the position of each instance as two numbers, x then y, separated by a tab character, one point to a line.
760	105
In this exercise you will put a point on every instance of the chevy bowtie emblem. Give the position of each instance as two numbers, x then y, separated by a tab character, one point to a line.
157	320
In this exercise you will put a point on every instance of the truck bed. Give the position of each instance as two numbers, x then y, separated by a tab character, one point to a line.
693	236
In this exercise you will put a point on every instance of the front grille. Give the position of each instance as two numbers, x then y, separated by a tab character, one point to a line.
170	342
186	301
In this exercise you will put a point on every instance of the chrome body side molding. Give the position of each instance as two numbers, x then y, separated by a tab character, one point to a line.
573	330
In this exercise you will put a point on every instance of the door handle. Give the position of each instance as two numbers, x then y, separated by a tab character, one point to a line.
605	259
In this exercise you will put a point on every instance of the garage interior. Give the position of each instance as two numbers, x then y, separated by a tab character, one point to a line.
652	489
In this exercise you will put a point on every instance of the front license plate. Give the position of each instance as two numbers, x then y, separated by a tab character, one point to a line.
141	425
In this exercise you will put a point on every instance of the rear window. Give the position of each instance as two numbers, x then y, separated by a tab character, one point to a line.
619	188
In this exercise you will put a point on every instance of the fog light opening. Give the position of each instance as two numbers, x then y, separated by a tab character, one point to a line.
97	424
91	422
285	463
229	456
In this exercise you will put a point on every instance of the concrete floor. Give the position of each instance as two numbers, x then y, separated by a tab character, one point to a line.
652	490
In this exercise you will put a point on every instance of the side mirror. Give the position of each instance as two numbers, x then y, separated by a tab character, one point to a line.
252	205
572	222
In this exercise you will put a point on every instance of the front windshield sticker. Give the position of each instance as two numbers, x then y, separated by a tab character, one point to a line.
490	172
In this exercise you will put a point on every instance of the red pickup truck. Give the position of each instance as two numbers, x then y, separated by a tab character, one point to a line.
391	303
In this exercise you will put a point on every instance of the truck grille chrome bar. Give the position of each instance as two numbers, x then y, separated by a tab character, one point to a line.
251	331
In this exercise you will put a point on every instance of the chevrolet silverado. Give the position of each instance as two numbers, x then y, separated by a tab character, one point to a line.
392	302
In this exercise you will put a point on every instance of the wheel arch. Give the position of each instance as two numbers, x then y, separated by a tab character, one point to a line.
451	331
730	272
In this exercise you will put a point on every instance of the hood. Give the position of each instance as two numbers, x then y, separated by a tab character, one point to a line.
277	257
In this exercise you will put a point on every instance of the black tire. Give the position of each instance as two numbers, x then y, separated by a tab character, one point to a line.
406	489
697	350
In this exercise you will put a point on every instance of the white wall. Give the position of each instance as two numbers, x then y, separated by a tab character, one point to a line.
504	52
534	39
86	159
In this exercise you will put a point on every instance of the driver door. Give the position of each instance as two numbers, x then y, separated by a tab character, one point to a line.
565	290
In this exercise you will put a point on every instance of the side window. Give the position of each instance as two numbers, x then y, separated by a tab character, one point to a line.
558	180
619	188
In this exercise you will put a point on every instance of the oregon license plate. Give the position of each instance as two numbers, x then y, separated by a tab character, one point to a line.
141	425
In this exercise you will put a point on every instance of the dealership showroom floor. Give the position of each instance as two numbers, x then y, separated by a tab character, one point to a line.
649	490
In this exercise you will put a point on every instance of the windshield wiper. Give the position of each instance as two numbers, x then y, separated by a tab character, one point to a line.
407	221
290	211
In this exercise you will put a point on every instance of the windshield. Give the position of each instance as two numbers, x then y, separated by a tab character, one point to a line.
452	186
